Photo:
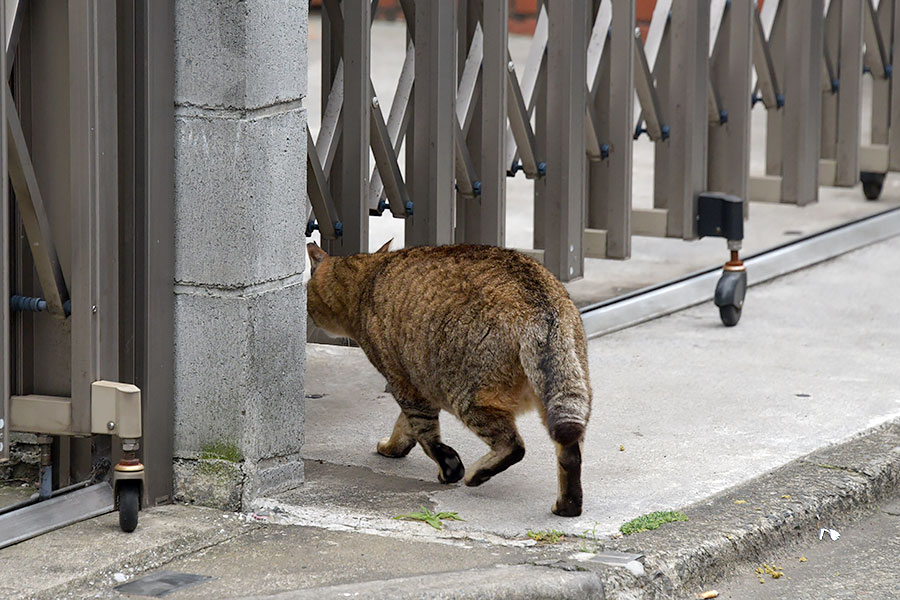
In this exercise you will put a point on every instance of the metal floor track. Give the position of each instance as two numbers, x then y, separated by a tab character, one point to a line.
663	299
24	523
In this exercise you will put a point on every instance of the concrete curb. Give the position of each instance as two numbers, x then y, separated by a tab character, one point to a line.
523	582
742	524
747	522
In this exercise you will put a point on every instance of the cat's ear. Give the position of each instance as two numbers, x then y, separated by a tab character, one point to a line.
316	255
386	247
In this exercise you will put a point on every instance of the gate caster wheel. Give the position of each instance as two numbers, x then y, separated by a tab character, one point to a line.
872	184
128	501
730	292
730	315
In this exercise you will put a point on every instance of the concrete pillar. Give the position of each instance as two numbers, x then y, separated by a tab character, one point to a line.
240	302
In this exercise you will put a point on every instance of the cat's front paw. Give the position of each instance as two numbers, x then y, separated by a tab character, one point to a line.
452	471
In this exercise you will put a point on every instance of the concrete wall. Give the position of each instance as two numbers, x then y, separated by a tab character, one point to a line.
240	313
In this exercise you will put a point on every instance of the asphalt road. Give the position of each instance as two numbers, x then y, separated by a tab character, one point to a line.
863	563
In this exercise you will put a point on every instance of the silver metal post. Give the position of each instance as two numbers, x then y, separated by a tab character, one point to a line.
94	181
730	72
352	204
775	12
541	132
881	88
662	70
434	126
489	226
564	209
849	112
610	178
5	339
803	102
689	122
831	46
894	133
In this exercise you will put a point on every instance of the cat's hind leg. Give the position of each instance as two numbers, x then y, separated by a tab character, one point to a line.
400	442
568	468
497	427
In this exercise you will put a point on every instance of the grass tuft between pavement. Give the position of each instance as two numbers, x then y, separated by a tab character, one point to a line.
651	521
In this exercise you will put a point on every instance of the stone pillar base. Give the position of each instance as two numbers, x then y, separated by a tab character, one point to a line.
233	486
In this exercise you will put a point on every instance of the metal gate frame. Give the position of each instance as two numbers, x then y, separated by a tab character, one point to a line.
119	63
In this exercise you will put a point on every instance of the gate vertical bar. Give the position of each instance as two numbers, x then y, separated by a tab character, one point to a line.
22	323
881	88
94	197
611	178
127	77
566	166
465	31
541	131
802	101
332	57
467	213
662	150
352	202
621	136
730	73
894	131
689	117
490	206
775	118
155	368
5	340
849	114
434	127
831	48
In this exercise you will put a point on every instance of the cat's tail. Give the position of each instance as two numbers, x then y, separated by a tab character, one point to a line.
550	357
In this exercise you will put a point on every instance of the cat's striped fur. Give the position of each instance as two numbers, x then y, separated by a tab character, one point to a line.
481	332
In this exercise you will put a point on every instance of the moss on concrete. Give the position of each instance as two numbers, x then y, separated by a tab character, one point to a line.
221	451
210	482
651	521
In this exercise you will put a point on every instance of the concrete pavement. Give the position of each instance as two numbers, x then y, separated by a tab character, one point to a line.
697	407
767	519
704	413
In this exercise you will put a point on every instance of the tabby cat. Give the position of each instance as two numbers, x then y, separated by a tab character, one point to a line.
484	333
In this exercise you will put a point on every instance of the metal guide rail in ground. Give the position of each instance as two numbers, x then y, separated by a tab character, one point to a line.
468	117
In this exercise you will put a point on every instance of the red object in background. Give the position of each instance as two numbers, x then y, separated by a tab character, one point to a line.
523	14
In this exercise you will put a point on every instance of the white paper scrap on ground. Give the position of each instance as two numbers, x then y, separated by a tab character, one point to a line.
833	533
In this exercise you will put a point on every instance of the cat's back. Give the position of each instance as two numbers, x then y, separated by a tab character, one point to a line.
458	278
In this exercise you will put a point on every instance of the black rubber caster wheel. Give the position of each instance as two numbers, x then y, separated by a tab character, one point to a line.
129	504
730	292
730	315
872	184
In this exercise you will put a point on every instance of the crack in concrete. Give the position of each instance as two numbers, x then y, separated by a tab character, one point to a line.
190	288
231	113
850	470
